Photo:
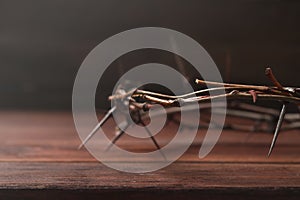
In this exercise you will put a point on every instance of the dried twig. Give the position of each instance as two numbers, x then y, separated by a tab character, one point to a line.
144	100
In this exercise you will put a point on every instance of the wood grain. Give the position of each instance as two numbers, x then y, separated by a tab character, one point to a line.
39	158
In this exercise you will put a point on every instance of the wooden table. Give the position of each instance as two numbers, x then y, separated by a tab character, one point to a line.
39	160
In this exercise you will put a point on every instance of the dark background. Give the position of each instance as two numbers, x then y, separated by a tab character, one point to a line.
43	43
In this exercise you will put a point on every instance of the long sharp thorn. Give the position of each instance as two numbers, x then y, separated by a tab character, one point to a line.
278	126
154	141
119	134
98	126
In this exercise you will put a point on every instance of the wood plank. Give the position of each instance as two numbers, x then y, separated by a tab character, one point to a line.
186	180
152	193
76	175
51	137
39	159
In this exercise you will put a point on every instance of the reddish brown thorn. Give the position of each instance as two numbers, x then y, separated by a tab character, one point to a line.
254	95
271	76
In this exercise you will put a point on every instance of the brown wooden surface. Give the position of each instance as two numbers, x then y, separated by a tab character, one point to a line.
39	158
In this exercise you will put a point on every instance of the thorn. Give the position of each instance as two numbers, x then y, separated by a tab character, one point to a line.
154	141
254	95
279	123
273	79
97	127
119	134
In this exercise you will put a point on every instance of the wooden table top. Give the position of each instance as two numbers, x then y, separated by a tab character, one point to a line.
39	159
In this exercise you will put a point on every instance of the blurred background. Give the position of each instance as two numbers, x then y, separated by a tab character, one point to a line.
43	43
